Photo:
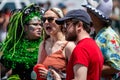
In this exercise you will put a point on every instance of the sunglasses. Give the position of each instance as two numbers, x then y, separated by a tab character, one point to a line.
70	22
49	19
66	25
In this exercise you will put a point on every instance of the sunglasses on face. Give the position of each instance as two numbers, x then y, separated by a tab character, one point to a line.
67	24
70	22
49	19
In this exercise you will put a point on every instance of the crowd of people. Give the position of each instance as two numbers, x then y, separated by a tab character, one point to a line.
50	44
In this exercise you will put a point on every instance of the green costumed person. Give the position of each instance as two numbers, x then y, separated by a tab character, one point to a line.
20	49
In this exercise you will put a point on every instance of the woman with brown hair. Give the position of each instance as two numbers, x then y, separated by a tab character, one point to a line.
54	51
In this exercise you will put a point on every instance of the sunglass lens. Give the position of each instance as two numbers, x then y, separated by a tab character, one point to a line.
43	19
50	19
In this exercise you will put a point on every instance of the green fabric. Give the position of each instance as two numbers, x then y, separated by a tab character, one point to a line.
25	54
14	77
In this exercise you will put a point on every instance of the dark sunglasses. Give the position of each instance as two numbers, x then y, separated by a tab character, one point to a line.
49	19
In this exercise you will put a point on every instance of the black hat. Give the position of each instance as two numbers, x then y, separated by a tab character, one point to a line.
76	14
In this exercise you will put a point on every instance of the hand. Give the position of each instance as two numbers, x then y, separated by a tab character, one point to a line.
55	75
43	72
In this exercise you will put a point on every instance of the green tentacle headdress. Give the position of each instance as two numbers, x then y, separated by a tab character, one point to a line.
15	46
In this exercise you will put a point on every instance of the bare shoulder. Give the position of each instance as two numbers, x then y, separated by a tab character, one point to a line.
69	49
70	45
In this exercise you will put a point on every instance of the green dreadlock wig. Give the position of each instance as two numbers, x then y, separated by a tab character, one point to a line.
16	49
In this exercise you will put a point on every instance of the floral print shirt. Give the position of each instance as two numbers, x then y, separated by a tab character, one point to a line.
109	43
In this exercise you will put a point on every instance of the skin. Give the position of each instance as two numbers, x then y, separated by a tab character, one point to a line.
34	29
2	18
2	22
69	35
54	43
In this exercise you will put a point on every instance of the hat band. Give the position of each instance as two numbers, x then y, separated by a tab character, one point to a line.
55	12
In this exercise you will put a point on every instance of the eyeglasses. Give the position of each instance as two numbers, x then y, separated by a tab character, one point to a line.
49	19
67	24
70	22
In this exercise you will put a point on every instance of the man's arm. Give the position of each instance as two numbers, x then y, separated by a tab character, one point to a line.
80	72
107	70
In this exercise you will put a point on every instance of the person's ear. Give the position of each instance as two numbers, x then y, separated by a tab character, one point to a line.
79	26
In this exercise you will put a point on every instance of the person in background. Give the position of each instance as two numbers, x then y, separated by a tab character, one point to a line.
3	33
4	20
86	60
7	13
63	7
106	38
20	48
115	16
54	51
47	5
3	27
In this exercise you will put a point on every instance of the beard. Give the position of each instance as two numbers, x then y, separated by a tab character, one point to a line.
71	36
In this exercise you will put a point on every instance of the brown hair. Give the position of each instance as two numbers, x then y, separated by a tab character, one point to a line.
60	14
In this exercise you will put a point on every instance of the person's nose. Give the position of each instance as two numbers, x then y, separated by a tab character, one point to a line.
39	26
46	21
